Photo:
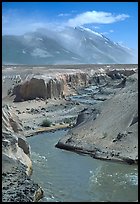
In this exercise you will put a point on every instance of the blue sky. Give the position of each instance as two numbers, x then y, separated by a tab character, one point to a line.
116	20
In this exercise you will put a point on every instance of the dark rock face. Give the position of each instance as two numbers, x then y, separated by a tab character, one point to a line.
78	79
85	115
55	88
117	74
16	184
23	144
30	90
121	84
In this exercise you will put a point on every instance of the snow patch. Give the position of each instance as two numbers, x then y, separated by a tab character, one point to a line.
39	39
66	51
91	31
23	51
57	52
75	58
41	53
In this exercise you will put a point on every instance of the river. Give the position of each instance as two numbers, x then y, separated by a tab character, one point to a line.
70	177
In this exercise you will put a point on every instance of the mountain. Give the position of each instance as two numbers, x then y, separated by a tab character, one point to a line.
68	46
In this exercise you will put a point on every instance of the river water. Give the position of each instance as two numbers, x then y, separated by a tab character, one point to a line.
70	177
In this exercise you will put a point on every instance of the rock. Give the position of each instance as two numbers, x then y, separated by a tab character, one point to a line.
120	73
134	120
16	162
10	121
118	116
85	114
16	147
17	186
121	84
57	87
22	143
30	90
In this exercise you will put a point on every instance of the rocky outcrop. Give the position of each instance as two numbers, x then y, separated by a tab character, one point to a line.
58	85
10	121
30	90
85	115
118	73
42	86
17	186
55	88
113	133
16	163
78	79
121	84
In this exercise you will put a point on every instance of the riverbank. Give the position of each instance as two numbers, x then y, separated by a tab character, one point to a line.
48	129
105	130
113	133
17	185
82	178
102	117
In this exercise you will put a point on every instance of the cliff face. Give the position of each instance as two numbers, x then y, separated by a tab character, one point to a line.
111	133
30	90
58	85
16	162
10	121
55	87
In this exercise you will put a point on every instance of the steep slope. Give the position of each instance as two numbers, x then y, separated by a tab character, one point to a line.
33	48
113	133
93	46
68	46
17	184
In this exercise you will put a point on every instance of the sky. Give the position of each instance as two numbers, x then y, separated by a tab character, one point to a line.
118	21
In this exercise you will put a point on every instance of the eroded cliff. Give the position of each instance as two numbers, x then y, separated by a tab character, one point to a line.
45	86
16	163
111	133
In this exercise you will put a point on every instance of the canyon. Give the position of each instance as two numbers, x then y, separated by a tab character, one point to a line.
106	128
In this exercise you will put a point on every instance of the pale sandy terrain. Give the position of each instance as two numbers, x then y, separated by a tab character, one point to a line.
33	112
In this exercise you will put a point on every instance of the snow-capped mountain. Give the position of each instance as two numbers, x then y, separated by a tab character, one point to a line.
68	46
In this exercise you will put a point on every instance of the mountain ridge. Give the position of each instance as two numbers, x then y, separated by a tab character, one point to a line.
77	45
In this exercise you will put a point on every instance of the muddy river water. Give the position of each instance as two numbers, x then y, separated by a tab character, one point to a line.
70	177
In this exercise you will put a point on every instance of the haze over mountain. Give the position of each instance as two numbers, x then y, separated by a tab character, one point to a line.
68	46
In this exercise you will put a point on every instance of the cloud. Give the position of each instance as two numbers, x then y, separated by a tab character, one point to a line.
16	22
96	17
105	33
64	14
111	31
96	27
